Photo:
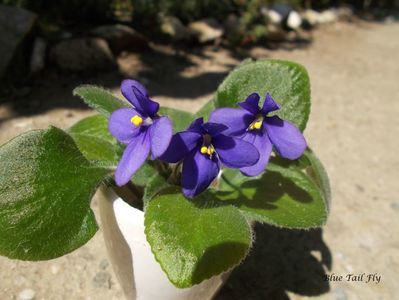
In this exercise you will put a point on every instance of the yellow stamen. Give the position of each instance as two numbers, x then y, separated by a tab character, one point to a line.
210	150
258	124
136	120
204	150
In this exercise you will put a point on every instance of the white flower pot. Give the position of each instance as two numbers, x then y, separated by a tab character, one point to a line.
136	269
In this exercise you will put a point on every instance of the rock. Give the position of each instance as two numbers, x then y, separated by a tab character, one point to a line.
273	16
206	30
311	17
328	16
294	20
121	37
83	54
16	26
314	18
38	57
174	28
26	294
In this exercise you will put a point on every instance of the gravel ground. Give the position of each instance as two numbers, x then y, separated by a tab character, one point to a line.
354	129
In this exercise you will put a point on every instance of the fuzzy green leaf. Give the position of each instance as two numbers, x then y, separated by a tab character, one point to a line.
153	186
287	82
100	99
285	195
180	119
194	240
45	189
96	126
95	142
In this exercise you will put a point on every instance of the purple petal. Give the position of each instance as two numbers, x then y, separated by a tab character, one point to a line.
198	173
286	137
137	95
181	144
261	141
133	158
236	119
214	128
126	88
161	132
251	104
196	126
120	126
234	152
269	105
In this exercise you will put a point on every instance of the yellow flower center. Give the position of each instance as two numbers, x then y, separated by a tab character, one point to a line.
257	124
207	150
136	120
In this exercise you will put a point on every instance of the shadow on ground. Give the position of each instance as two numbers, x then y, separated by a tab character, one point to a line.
163	71
281	261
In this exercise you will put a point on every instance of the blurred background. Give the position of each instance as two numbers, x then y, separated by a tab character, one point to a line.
182	50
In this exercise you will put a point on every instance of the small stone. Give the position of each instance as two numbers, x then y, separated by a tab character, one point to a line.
328	16
26	294
395	205
102	280
294	20
206	30
104	264
55	269
273	16
359	187
311	17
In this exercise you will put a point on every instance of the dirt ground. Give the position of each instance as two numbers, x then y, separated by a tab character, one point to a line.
354	129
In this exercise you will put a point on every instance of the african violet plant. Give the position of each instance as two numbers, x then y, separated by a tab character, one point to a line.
200	181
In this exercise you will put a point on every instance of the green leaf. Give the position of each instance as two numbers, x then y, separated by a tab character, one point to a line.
153	186
100	99
45	189
287	82
194	240
146	171
96	150
314	168
180	119
96	126
95	142
285	195
206	110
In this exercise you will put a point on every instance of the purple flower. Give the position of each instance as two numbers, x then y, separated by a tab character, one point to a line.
254	125
140	128
203	148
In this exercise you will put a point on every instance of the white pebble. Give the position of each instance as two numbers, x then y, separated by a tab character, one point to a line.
55	269
26	294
